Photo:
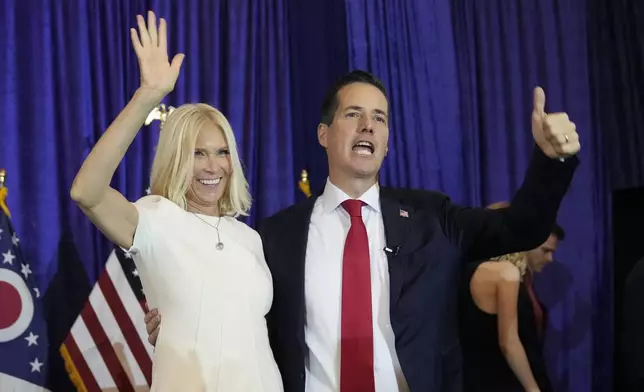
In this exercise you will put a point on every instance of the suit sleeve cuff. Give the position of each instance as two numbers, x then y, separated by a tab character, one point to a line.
544	162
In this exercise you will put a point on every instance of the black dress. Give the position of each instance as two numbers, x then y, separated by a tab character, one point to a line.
484	366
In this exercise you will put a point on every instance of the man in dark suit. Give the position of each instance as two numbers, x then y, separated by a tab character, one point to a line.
365	277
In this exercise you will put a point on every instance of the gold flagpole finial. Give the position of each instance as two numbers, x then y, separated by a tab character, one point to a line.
160	113
304	184
3	192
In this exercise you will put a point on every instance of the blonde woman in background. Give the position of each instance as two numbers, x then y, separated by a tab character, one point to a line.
199	265
498	327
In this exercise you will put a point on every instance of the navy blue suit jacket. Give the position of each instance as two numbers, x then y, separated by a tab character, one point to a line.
424	273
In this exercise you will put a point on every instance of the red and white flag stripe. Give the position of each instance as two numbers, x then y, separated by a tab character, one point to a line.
107	345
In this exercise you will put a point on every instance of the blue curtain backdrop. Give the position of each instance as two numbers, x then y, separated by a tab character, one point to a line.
68	69
617	54
460	75
412	50
509	47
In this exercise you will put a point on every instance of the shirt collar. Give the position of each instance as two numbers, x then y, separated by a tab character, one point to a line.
333	197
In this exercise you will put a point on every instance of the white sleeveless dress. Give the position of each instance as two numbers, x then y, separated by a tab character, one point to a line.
213	334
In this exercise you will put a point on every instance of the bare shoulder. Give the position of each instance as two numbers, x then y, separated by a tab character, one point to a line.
498	271
508	272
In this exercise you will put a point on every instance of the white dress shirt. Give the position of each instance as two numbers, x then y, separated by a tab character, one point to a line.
323	293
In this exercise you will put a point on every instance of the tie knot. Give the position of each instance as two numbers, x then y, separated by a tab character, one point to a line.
353	207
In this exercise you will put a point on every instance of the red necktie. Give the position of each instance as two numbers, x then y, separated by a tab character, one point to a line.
356	360
536	306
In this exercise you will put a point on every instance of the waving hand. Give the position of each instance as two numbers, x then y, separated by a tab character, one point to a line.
108	209
150	44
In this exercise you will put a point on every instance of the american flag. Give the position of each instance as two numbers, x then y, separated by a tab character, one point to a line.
23	330
107	348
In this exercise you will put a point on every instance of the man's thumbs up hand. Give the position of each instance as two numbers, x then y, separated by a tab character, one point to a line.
554	133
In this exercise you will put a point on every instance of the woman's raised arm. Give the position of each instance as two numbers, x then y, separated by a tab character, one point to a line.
114	215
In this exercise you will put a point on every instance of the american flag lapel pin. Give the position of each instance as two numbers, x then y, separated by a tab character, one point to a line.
404	214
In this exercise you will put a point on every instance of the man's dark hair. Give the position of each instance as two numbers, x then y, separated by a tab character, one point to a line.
558	232
330	102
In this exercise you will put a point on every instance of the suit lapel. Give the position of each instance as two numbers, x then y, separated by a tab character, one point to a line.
296	256
300	235
398	221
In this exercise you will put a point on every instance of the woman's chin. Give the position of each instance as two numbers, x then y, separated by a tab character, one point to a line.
204	202
206	194
210	202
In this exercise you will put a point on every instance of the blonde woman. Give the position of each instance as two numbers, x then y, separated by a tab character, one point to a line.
201	267
501	346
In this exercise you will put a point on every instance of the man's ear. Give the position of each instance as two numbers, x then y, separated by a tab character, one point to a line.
322	134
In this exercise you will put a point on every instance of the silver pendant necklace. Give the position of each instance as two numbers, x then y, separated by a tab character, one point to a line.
220	245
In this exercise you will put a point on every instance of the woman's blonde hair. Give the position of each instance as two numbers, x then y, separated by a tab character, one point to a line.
173	165
519	258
